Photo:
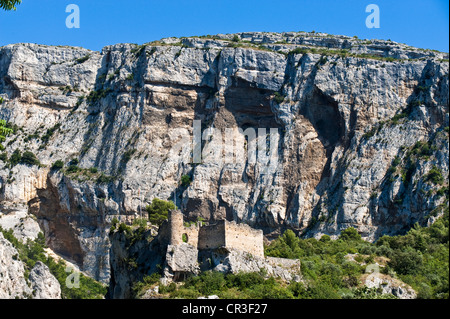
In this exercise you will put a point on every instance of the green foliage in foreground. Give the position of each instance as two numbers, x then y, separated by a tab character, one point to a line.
33	251
420	258
9	4
254	286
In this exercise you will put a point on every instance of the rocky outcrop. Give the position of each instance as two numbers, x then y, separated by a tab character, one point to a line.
43	283
388	285
185	260
345	110
235	261
13	281
16	283
23	224
181	261
133	256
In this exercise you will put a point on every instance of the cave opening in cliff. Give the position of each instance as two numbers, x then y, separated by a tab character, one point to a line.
323	112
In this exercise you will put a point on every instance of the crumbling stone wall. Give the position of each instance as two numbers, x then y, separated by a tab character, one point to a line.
221	234
243	237
212	236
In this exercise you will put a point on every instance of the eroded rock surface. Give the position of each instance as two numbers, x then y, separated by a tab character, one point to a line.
345	111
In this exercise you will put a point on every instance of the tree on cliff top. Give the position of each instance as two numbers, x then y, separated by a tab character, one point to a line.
158	210
9	4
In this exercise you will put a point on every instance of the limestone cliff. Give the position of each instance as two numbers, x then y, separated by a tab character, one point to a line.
15	283
362	127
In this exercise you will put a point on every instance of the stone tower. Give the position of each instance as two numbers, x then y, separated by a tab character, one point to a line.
176	227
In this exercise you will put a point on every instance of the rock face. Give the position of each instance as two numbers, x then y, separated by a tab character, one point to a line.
24	225
184	260
43	283
389	285
235	261
13	282
132	259
348	114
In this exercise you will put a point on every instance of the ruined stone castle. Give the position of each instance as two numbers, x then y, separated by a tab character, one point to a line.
221	246
221	234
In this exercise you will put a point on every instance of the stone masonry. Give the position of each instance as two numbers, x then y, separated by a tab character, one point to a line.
223	246
222	234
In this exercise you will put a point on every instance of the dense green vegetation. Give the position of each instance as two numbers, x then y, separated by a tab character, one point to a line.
28	158
251	286
57	165
420	258
33	251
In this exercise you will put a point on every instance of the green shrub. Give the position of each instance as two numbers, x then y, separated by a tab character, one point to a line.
5	130
15	157
434	176
158	210
185	180
286	246
141	222
406	262
28	158
57	165
279	97
124	228
104	179
94	96
396	161
440	192
74	161
236	38
350	233
83	59
4	157
72	169
299	50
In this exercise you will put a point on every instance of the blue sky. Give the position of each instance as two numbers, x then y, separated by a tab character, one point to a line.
420	23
